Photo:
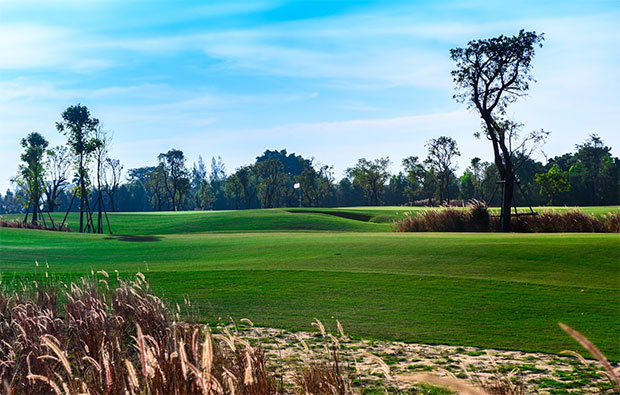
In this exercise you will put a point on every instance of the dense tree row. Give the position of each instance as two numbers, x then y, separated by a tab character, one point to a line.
588	176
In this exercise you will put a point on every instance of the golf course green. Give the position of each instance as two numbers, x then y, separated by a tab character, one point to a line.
283	267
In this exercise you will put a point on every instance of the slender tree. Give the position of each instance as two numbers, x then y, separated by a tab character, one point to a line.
101	155
79	127
112	179
490	75
31	173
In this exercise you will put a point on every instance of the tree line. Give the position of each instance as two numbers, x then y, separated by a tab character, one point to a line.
56	176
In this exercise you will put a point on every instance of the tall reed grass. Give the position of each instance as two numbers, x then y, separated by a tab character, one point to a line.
476	218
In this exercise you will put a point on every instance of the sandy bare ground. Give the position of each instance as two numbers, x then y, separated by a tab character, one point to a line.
538	372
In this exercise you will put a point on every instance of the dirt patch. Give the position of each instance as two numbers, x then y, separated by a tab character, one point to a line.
539	372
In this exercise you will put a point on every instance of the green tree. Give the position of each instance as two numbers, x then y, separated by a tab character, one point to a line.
415	172
31	173
430	185
271	182
596	171
553	182
315	184
205	197
371	176
79	127
490	75
441	153
176	177
155	184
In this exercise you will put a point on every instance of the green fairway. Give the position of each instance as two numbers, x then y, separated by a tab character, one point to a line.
282	268
349	219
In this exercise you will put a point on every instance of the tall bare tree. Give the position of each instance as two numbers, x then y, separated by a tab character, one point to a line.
491	74
58	167
112	179
101	155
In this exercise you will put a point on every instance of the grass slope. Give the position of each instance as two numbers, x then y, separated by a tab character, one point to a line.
489	290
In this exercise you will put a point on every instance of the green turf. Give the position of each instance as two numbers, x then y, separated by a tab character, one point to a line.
489	290
366	219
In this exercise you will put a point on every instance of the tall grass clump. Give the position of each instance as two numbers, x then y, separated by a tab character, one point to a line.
101	340
476	218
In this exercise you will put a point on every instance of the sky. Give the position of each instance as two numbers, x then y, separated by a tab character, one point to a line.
333	81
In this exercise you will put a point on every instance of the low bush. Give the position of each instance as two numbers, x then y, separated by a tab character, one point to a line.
476	218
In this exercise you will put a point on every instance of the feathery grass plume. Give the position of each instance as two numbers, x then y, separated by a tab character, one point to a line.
382	367
340	329
131	373
576	355
49	341
587	344
207	354
247	321
319	325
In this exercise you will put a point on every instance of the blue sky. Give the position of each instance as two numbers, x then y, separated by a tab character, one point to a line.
336	81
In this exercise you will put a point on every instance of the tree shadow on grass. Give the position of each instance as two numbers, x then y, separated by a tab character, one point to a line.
134	238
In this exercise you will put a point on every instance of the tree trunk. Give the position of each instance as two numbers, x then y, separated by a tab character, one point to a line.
508	192
35	210
99	197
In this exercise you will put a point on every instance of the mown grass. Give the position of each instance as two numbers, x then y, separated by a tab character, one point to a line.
379	219
488	290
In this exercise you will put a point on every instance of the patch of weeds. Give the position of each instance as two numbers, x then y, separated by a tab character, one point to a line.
475	353
546	382
420	367
428	389
521	367
459	350
392	360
